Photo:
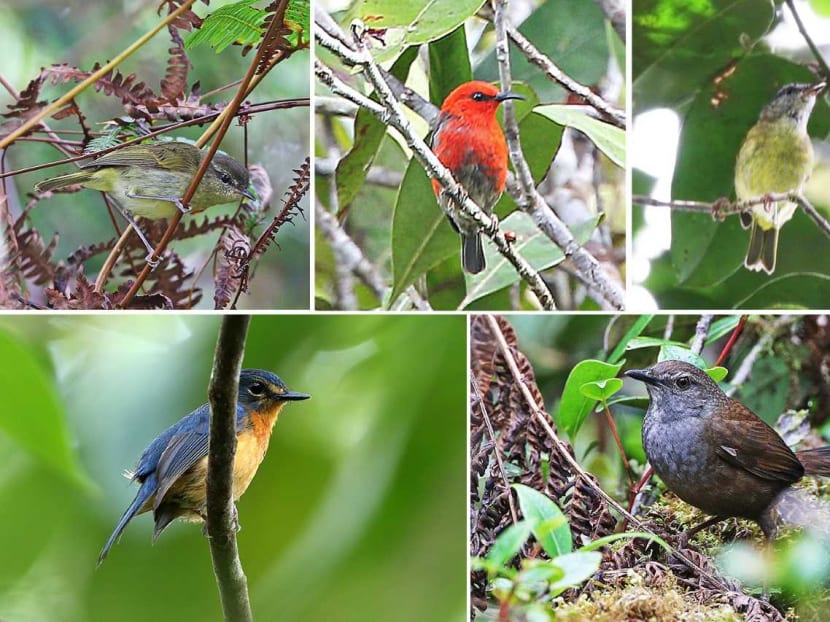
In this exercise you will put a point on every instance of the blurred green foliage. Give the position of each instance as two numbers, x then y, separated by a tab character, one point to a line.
81	33
357	512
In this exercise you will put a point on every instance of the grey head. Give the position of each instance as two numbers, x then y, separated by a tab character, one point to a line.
233	176
794	103
678	389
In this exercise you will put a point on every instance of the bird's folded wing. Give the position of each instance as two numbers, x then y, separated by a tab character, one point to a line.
183	451
751	447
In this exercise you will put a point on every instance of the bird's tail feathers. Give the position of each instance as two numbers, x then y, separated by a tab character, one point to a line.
763	247
472	253
62	181
816	461
144	493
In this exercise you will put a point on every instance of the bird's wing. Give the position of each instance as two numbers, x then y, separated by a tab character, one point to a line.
183	452
750	438
160	156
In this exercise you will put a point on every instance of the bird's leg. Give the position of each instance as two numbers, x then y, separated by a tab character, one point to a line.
174	200
690	533
150	250
717	207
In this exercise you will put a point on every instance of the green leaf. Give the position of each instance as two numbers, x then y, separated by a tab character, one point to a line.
449	64
577	568
533	245
508	543
368	136
575	406
542	514
678	46
717	373
601	390
608	138
721	327
32	415
233	23
538	571
821	7
671	352
411	22
635	330
421	236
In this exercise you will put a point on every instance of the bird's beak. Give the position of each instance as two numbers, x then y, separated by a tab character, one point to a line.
294	396
642	375
247	194
816	89
503	96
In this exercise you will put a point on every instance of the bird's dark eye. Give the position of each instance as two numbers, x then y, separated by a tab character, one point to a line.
257	389
479	96
225	178
683	382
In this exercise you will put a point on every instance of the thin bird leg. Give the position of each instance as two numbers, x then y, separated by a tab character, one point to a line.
177	202
150	250
688	534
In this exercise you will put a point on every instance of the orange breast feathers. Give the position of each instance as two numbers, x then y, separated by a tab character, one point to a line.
251	445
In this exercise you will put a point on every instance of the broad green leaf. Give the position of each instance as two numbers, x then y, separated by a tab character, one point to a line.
533	245
575	406
508	543
368	135
411	22
449	64
671	352
32	415
421	235
632	333
717	373
721	327
679	46
578	567
601	390
608	138
538	510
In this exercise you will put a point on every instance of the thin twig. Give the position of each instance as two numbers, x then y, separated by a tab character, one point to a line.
605	291
722	208
221	513
613	115
496	451
93	78
354	259
816	52
701	332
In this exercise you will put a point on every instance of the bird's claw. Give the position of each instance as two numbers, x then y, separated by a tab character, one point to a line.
717	208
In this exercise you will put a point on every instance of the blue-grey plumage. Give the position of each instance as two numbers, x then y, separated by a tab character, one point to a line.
172	470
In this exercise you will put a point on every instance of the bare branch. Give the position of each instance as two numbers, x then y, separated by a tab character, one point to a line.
221	512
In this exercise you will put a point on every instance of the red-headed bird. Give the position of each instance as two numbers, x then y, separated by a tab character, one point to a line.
468	141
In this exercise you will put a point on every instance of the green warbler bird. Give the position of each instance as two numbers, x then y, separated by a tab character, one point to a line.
775	157
150	180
